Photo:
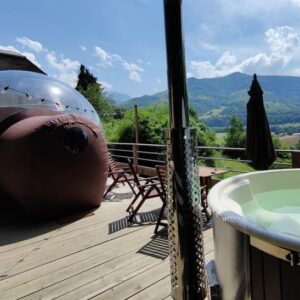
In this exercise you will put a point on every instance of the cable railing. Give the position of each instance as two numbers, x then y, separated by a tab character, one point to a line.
149	155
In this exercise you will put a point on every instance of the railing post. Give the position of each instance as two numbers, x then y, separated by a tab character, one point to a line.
296	159
135	155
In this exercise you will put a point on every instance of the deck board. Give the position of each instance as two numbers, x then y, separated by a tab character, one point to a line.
95	257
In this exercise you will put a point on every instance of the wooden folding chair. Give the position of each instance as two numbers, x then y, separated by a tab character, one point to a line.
204	204
162	176
150	188
119	175
161	172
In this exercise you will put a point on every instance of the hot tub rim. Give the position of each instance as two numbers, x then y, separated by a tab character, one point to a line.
245	225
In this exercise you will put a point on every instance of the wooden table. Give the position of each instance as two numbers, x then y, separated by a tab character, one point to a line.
205	174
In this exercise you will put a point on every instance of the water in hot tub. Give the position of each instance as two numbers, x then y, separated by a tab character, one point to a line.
278	210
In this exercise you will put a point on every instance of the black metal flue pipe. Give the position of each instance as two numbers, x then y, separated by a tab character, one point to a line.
188	276
179	116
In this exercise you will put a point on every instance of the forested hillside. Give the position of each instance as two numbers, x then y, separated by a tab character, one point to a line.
216	99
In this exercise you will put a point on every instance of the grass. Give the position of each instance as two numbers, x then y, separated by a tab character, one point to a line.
232	165
220	138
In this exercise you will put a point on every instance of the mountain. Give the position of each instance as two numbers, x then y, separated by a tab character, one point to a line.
119	97
216	99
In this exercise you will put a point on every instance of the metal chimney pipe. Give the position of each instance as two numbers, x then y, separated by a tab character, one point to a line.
188	275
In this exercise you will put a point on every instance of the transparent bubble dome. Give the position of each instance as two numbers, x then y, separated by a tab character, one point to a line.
33	90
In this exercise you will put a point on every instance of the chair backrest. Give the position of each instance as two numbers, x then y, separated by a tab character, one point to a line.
162	175
112	166
133	173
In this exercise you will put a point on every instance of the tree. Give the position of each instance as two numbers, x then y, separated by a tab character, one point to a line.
235	138
102	105
93	91
279	145
85	78
153	122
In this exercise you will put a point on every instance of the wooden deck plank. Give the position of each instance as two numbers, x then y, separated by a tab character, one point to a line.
121	266
89	257
82	259
49	252
158	290
101	216
134	284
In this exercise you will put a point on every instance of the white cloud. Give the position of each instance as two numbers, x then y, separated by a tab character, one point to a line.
106	58
67	69
296	2
283	43
135	76
134	71
223	66
34	45
105	84
207	46
9	48
30	56
226	59
83	48
110	59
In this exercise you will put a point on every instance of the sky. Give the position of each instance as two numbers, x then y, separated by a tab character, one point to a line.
122	42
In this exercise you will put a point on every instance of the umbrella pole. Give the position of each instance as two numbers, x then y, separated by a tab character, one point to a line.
188	276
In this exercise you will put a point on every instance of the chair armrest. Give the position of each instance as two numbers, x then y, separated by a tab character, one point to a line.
157	184
149	178
119	172
203	187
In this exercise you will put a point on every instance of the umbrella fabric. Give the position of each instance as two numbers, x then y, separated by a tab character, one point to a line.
259	145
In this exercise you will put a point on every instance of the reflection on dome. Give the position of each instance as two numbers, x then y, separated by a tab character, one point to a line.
33	90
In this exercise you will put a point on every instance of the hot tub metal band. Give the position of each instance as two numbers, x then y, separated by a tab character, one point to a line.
188	277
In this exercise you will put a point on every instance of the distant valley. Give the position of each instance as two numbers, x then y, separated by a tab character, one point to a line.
216	99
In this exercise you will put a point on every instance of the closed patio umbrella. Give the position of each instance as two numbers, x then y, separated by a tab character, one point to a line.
259	145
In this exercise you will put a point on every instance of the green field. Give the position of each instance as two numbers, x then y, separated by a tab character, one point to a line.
288	140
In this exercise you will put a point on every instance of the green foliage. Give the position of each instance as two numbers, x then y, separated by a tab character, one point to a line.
153	122
279	145
297	146
235	138
216	99
102	105
87	85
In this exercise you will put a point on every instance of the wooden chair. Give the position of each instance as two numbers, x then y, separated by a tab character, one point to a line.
204	204
119	175
162	176
161	172
147	188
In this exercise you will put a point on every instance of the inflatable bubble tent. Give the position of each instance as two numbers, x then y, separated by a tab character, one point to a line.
31	90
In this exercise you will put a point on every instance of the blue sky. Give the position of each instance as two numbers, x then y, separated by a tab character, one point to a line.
122	42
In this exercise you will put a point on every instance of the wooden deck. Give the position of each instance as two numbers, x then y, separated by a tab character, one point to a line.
95	257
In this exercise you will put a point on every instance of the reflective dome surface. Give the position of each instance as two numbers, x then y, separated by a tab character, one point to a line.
33	90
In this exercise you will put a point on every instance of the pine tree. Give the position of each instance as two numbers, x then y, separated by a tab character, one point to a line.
85	77
93	91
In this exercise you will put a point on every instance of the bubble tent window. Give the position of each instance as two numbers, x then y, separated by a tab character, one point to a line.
33	91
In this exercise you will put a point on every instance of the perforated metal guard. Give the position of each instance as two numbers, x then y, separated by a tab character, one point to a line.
184	213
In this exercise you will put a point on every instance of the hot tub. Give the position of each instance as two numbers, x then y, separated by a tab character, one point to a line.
257	235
